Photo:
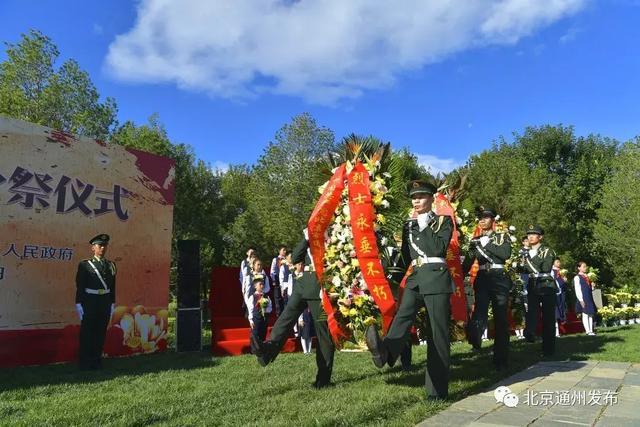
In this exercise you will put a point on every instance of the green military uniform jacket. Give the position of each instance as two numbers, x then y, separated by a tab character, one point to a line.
86	278
496	251
541	265
307	285
432	241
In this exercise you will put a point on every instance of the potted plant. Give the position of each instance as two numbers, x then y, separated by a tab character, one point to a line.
612	299
606	314
624	298
614	317
620	313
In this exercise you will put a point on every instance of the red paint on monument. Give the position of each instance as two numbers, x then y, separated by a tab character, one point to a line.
156	169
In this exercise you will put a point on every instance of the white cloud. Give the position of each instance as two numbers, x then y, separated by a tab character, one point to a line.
322	51
436	165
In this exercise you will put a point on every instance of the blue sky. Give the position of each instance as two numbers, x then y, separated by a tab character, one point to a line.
442	80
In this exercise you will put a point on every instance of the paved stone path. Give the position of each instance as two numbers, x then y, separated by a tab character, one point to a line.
585	393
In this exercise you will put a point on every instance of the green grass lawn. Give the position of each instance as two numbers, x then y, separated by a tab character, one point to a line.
196	389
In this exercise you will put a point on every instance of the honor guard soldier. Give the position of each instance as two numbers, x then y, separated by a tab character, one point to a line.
492	284
306	293
95	301
425	240
538	262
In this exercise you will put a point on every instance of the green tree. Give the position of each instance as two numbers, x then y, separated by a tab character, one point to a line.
242	230
198	195
550	176
617	229
284	183
503	178
32	89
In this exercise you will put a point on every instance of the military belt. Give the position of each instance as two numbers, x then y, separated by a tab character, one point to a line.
491	266
97	291
428	260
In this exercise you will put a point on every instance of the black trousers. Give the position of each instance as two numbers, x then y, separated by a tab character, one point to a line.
438	350
259	327
278	301
496	292
548	303
283	326
93	328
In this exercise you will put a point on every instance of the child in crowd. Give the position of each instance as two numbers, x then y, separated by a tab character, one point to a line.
584	295
305	323
256	272
259	306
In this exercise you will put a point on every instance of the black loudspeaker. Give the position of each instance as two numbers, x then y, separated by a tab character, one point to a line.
188	273
189	316
189	329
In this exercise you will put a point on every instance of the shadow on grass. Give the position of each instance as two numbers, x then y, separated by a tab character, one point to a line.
68	373
472	372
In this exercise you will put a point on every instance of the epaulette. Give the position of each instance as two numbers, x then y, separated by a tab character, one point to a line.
543	253
436	227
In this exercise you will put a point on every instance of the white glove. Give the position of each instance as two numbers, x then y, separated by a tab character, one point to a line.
484	240
80	311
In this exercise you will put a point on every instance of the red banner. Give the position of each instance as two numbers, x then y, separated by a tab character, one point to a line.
458	300
319	220
364	240
475	267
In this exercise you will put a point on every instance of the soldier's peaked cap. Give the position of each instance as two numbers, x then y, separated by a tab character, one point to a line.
484	212
535	229
421	187
100	239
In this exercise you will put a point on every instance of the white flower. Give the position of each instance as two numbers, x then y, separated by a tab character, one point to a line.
465	213
336	280
385	204
458	220
497	218
384	241
513	239
345	210
512	228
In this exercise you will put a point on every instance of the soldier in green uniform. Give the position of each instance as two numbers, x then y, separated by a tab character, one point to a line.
492	284
306	292
538	263
95	301
425	240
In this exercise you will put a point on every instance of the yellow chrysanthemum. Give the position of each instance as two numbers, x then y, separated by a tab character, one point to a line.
369	321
